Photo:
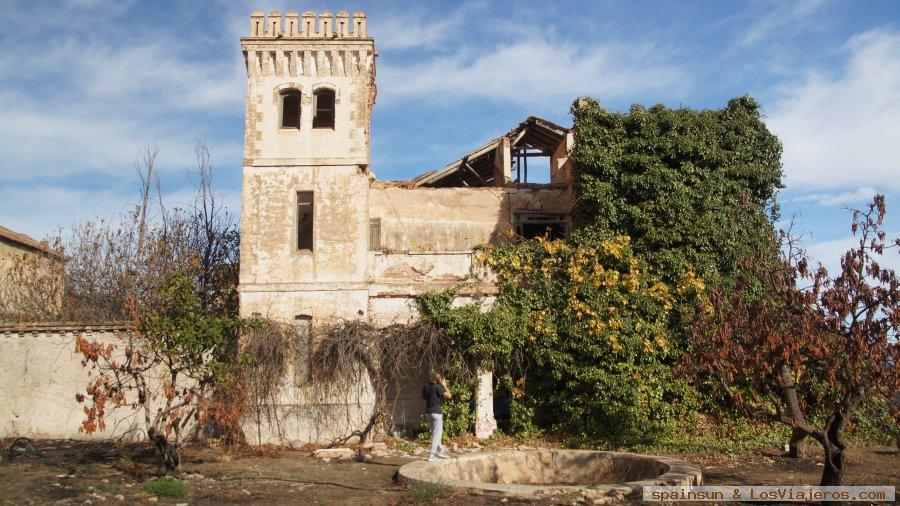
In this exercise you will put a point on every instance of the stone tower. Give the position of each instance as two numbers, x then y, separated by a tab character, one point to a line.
310	93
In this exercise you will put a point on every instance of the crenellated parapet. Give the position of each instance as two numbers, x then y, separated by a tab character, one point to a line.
323	45
324	66
324	26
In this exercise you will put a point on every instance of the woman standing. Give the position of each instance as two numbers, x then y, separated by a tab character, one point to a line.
434	393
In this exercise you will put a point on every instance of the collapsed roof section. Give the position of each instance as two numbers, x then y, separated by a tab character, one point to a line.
504	160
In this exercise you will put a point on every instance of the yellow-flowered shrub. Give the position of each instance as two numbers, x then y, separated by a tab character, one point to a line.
583	346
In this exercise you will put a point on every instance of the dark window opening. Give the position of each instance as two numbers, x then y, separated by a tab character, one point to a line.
532	225
324	105
305	220
375	234
290	109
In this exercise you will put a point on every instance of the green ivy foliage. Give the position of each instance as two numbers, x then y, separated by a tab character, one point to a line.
482	336
586	331
459	415
595	340
578	335
693	189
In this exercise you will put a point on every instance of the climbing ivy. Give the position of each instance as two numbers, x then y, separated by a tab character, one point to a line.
578	335
483	335
694	189
586	331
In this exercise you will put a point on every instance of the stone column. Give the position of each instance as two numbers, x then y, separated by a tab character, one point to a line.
485	423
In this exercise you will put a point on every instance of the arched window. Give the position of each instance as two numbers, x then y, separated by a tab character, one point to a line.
290	109
323	101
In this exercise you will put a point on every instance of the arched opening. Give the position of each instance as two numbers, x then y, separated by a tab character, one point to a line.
290	109
323	101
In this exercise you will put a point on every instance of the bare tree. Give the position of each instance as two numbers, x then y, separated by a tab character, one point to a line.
347	355
174	277
214	237
109	261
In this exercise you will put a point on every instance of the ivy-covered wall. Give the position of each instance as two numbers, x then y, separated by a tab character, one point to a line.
587	331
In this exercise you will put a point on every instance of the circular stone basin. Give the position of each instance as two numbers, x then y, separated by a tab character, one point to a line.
531	473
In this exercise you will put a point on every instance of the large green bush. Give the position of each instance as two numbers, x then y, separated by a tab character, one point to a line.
693	189
578	335
595	337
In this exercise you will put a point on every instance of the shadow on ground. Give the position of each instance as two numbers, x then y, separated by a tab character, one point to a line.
72	472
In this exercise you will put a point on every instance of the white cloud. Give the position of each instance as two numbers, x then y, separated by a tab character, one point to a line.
88	100
97	85
91	143
157	71
779	15
829	253
842	131
861	194
40	210
415	29
533	72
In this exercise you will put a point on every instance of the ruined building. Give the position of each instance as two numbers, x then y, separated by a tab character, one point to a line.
322	238
23	259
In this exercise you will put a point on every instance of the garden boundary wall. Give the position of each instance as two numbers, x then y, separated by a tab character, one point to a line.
40	374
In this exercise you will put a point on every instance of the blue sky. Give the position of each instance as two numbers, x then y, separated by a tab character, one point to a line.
85	83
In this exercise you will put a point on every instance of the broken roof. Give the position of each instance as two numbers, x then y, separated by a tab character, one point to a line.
477	167
28	242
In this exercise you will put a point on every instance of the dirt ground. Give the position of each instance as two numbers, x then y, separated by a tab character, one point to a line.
865	466
75	472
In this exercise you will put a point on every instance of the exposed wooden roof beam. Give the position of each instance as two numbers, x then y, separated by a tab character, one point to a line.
535	132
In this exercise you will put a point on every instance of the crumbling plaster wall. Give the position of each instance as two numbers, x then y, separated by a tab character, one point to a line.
427	238
455	219
269	253
273	65
302	413
40	373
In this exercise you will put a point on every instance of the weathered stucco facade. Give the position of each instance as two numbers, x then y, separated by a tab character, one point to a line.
323	240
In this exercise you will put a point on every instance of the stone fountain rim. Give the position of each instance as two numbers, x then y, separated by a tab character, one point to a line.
680	473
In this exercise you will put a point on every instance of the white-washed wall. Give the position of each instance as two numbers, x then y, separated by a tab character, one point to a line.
40	374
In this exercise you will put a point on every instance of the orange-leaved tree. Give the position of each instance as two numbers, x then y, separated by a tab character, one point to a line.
165	368
811	344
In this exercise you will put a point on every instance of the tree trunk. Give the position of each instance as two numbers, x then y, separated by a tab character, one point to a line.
834	446
792	402
833	474
168	452
795	447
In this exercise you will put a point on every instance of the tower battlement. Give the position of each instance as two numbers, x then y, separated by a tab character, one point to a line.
310	89
292	25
